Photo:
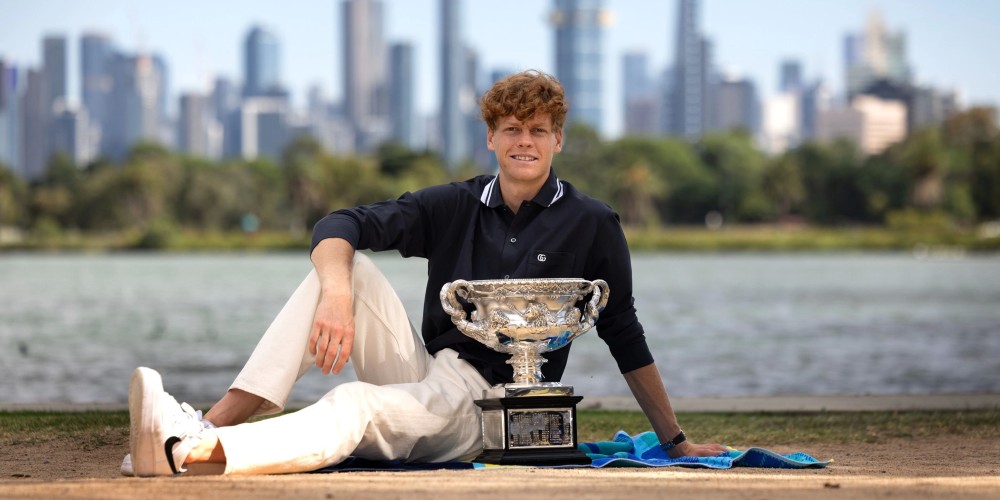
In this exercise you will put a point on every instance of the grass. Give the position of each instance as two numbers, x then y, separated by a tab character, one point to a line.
764	237
95	429
741	429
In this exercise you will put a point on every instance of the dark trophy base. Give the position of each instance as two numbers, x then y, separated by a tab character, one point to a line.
530	430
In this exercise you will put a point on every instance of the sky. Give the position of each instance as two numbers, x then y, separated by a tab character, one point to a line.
951	42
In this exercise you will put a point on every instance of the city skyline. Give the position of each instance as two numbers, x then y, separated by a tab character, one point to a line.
947	45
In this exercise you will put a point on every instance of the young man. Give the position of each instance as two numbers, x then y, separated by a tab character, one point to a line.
414	398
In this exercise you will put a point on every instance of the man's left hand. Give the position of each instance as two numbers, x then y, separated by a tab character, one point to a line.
689	449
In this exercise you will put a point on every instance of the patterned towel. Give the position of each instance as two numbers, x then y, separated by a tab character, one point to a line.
643	450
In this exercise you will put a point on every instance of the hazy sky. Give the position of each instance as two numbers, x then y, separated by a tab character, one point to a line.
951	42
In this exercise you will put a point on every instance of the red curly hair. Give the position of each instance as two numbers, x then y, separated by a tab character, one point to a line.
523	95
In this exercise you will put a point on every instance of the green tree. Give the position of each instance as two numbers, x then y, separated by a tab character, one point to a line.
782	183
13	198
738	167
581	161
830	176
974	138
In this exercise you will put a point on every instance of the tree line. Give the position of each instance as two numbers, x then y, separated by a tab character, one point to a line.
948	174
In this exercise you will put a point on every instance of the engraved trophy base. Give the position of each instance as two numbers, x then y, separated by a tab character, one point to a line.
530	430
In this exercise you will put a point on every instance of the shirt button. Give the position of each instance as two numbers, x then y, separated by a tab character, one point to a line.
506	276
513	240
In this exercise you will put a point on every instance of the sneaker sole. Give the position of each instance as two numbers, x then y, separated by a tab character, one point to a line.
147	452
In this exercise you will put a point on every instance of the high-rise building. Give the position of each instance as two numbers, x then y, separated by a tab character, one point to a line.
365	96
737	106
454	140
96	82
639	99
226	112
579	34
197	132
264	127
261	62
10	116
35	115
791	76
54	67
871	122
401	93
884	122
70	133
781	122
134	107
875	54
688	100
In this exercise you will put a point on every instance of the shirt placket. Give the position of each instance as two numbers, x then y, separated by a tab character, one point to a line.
514	240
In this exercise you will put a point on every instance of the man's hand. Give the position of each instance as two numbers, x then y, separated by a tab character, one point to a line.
689	449
332	335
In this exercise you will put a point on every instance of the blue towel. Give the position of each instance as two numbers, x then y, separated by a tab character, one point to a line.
641	450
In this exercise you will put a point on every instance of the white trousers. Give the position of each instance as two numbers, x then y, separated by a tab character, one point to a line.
406	404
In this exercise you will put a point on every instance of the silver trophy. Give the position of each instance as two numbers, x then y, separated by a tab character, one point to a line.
528	421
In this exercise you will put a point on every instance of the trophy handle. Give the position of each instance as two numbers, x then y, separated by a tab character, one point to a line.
451	306
596	304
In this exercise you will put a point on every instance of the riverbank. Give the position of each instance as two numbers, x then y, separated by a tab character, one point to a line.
922	241
942	454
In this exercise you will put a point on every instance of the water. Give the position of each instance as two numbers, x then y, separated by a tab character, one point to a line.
72	327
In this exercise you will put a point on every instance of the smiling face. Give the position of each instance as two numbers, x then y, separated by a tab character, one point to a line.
525	149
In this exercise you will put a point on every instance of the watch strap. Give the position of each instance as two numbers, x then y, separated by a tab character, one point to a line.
678	439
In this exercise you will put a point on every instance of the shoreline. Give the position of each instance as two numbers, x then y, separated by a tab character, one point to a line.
741	404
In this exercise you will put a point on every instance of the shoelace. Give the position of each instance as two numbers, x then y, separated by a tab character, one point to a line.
187	422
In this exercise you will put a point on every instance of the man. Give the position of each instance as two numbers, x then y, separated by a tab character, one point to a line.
414	397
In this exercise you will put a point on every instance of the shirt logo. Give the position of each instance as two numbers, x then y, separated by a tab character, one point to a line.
541	257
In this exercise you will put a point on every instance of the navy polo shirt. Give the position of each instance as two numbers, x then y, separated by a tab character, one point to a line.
465	231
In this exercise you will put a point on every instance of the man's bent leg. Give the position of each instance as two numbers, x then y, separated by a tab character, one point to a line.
387	349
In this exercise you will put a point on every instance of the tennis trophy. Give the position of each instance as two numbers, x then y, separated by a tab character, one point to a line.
527	422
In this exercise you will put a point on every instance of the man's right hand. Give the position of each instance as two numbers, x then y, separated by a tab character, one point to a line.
331	339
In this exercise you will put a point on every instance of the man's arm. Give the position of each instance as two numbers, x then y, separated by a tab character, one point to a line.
647	387
332	336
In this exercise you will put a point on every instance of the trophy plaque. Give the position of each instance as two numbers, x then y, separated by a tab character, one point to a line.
527	422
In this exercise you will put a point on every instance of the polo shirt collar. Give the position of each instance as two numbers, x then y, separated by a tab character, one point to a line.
550	193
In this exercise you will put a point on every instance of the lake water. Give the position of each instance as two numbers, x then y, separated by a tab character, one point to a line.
72	327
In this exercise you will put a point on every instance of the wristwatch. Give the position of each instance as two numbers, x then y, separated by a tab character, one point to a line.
678	439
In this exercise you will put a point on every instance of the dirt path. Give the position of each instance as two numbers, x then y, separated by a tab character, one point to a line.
938	468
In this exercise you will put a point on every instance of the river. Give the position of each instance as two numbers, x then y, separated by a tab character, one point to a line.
73	326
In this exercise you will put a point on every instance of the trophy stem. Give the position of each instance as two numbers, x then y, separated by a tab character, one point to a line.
527	366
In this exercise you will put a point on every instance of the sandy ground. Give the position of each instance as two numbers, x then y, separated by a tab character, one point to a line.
938	468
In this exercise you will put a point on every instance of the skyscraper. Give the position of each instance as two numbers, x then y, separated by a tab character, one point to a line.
791	76
638	95
35	113
54	67
688	101
261	62
454	139
875	54
365	99
10	115
96	81
134	107
401	93
579	27
737	106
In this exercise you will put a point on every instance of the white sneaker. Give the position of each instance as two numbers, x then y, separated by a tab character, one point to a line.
163	432
126	467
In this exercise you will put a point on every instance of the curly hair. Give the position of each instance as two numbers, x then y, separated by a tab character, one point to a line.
522	95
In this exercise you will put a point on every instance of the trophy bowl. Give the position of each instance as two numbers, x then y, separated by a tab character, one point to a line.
525	317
